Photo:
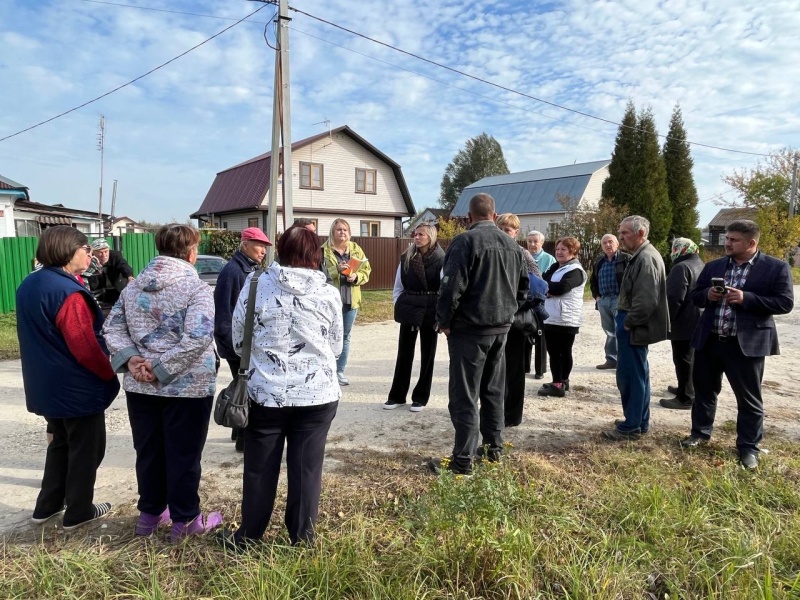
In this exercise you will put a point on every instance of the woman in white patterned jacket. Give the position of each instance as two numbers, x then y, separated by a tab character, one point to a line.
294	393
160	335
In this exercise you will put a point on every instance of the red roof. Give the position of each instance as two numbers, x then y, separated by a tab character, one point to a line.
244	186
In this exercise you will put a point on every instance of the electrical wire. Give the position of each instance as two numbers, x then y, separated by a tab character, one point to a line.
132	81
174	12
505	88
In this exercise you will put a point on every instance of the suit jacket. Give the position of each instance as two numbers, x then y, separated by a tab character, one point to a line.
683	314
767	291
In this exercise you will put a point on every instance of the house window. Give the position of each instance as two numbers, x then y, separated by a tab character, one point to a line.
252	222
311	176
370	229
26	228
365	181
224	224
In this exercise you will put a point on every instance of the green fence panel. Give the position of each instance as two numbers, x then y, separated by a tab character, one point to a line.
16	262
138	249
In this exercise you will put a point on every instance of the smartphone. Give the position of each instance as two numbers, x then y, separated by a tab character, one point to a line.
719	284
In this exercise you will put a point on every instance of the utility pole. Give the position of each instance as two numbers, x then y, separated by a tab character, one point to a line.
101	139
281	131
113	199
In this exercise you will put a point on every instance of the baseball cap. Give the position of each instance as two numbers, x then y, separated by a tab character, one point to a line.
100	244
256	235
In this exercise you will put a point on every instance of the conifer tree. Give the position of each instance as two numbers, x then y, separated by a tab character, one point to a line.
680	182
623	179
481	157
653	199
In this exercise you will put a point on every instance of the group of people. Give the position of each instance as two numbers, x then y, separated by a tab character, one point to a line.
160	334
492	299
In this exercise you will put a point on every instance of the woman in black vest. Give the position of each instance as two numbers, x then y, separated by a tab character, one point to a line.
416	289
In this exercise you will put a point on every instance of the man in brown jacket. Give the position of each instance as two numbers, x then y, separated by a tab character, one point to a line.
642	319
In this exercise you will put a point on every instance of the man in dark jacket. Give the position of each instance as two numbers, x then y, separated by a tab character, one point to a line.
683	317
484	282
108	274
230	282
604	282
740	293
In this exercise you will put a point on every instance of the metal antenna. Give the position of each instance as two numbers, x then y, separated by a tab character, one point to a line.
327	123
101	138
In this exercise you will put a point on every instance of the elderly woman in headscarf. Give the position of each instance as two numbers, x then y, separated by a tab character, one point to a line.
683	317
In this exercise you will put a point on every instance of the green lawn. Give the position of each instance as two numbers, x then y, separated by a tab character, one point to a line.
593	521
9	346
376	306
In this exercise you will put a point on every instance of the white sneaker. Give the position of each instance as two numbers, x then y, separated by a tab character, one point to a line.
342	379
389	405
416	407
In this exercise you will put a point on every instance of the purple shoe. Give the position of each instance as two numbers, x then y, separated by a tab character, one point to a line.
197	526
148	524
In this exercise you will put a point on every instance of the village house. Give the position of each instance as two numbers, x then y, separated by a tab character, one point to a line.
334	174
536	196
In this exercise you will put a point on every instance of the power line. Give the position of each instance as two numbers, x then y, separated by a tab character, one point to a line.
132	81
504	88
174	12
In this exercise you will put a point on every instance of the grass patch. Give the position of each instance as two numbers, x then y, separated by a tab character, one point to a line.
597	521
376	306
9	344
796	275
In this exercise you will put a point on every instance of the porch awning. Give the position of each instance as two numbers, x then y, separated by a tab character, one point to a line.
51	220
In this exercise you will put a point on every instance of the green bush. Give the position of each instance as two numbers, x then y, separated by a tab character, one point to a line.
220	243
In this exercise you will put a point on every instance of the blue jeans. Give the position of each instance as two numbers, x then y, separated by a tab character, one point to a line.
348	318
607	307
633	380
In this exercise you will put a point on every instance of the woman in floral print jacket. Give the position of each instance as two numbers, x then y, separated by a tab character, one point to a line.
160	334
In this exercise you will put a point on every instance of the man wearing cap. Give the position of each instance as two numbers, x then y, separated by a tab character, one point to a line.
230	282
107	274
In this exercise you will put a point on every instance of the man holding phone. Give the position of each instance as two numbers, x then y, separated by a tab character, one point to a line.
740	293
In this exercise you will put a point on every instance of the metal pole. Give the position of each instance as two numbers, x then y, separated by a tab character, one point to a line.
101	136
272	223
286	123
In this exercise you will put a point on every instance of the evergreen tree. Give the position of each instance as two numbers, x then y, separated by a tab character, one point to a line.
481	157
653	198
680	182
623	180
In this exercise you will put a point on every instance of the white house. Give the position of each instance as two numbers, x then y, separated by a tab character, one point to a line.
534	196
21	217
122	225
336	174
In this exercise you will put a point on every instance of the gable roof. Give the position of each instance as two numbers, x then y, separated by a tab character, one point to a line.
535	191
8	184
57	210
244	186
726	216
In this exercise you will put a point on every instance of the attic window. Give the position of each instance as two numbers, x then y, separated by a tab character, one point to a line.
311	176
365	181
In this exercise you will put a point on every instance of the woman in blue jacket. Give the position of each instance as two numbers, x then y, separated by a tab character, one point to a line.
67	376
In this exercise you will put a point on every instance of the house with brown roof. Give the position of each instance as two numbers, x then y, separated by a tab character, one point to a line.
336	174
21	217
726	216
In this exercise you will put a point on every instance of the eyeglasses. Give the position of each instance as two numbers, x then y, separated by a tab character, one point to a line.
88	249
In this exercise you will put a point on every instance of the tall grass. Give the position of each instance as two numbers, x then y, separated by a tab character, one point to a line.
595	521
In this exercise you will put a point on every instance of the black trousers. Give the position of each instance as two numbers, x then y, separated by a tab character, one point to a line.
682	358
537	351
169	435
559	347
70	467
744	374
477	374
514	397
405	360
304	431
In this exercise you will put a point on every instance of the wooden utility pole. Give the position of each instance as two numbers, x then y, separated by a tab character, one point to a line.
281	131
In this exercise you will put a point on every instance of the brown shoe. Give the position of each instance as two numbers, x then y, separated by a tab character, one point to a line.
609	364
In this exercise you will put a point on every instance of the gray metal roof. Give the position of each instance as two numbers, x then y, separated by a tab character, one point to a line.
726	216
531	192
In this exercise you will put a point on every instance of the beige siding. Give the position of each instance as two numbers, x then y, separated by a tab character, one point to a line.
594	189
238	221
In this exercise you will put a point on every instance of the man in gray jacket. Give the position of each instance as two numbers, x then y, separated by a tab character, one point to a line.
642	319
484	282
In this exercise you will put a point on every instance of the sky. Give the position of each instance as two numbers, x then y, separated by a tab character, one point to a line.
731	65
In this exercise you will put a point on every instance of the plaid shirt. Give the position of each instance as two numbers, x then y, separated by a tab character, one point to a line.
735	277
607	277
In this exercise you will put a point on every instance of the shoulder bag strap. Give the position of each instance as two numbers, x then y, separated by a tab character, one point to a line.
247	340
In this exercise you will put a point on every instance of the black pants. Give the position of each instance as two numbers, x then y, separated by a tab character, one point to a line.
70	468
744	374
169	435
515	377
559	347
304	430
477	374
405	361
682	358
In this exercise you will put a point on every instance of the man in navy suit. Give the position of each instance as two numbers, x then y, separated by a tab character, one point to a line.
735	333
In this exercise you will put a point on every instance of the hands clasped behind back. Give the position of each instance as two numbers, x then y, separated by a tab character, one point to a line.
141	369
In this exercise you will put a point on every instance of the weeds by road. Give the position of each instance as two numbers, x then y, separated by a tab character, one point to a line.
597	521
9	346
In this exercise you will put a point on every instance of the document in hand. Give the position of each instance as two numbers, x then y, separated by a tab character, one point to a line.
353	265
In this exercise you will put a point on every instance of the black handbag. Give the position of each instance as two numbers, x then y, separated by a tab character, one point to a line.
233	403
